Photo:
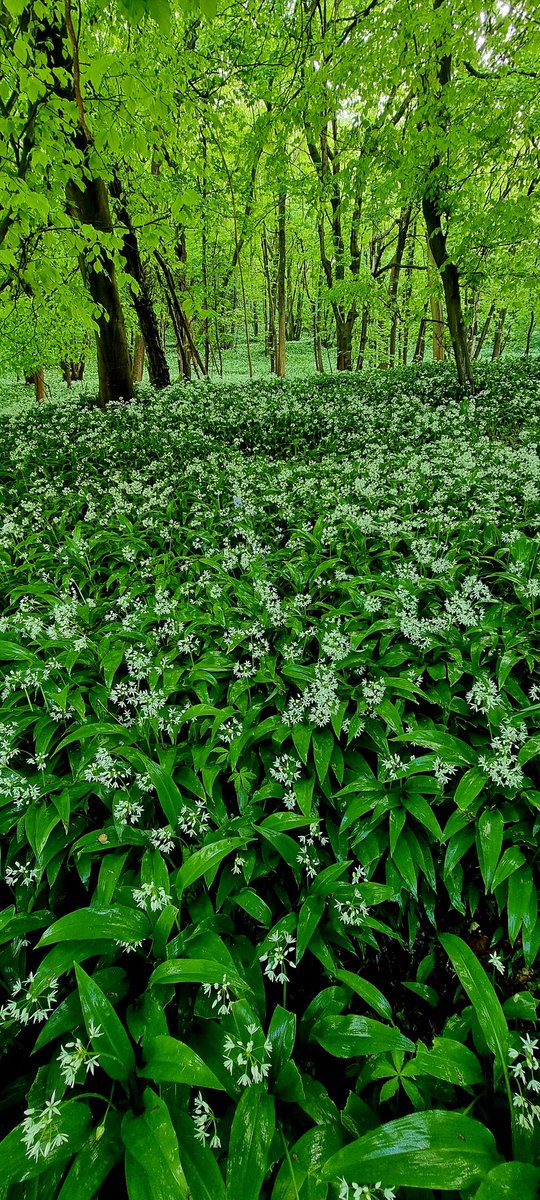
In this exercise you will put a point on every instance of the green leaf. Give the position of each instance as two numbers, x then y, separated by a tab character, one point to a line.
489	837
112	1044
153	1170
510	1181
482	995
308	920
93	1163
511	860
371	994
469	787
198	1161
441	1150
346	1037
196	970
301	736
110	924
204	859
281	1033
254	905
16	1166
249	1145
448	1060
323	743
171	1061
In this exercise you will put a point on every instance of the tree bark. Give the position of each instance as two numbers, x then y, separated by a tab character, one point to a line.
403	227
344	335
483	333
90	204
433	208
498	339
280	290
420	348
39	383
364	329
138	358
158	368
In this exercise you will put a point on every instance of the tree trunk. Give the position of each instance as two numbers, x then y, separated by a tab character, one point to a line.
280	296
403	226
363	338
344	345
498	339
420	348
158	368
434	207
39	383
450	281
270	347
483	333
90	205
67	373
138	358
529	334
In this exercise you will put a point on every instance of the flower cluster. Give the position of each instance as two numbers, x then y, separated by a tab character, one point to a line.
248	1060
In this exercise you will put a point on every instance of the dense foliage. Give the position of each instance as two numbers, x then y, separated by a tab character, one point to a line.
269	729
247	173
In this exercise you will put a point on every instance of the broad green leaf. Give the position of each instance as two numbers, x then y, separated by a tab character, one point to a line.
369	993
448	1060
171	1061
111	1043
482	995
489	837
469	787
322	741
204	860
510	1181
15	1164
108	924
442	1150
94	1162
196	970
153	1170
347	1037
199	1164
249	1145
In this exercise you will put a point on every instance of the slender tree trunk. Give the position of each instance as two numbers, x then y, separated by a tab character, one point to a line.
255	322
271	325
529	334
483	333
39	383
420	348
498	339
364	329
473	328
138	358
403	226
433	210
281	296
450	281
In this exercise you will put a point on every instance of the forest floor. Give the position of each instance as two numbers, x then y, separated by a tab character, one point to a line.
270	709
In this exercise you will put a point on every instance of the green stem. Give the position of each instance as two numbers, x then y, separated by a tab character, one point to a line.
288	1157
